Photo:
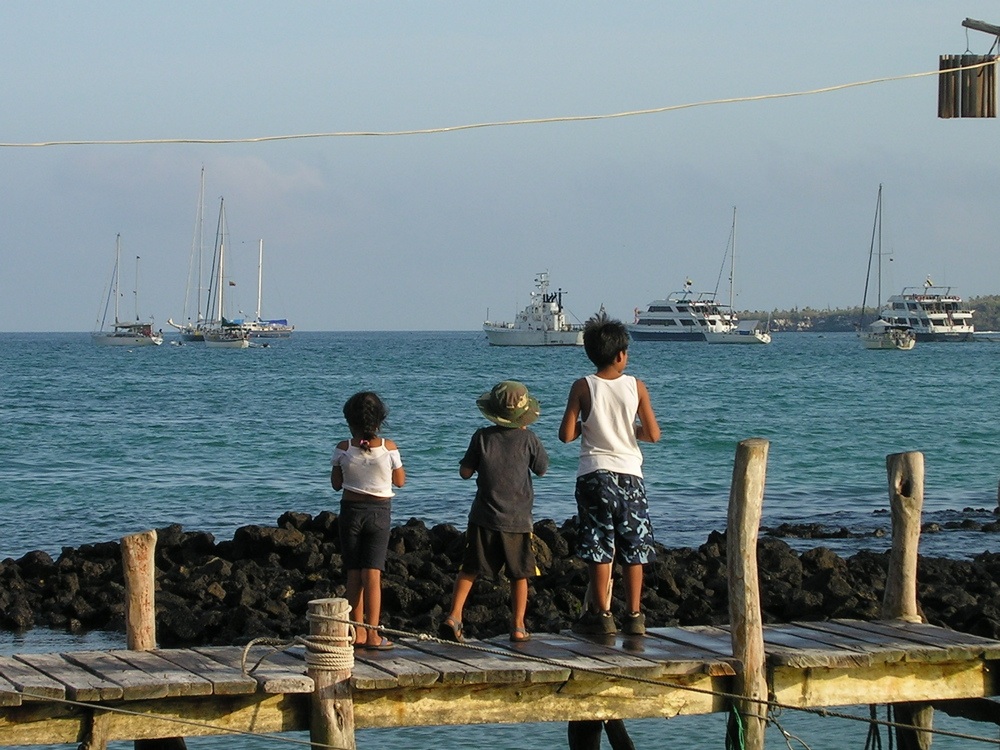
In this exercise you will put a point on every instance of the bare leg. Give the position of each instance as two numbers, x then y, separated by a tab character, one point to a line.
355	598
518	601
632	573
371	579
463	585
600	586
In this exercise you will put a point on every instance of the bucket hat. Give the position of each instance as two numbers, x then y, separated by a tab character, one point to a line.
509	404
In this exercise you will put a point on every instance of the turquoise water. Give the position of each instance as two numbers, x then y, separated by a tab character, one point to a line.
97	443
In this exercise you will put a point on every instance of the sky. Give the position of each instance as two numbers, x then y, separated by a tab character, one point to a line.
438	231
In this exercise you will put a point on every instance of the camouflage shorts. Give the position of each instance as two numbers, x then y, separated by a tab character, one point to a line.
614	517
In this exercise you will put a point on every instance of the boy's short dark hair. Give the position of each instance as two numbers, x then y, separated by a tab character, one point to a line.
603	339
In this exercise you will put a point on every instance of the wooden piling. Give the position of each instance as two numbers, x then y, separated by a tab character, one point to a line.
331	720
906	499
746	500
138	551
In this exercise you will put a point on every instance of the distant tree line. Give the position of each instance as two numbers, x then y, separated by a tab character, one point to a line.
986	318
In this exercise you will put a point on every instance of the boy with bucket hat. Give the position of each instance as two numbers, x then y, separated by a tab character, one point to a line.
502	456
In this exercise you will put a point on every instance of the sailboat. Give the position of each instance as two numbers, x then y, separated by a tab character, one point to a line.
191	330
122	333
740	331
880	333
258	327
219	332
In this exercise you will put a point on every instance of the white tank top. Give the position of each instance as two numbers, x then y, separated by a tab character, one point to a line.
368	472
608	434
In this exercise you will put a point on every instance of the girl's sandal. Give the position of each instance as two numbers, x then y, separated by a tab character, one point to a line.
519	635
382	644
451	630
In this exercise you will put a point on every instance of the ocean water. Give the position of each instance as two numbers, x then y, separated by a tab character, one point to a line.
97	443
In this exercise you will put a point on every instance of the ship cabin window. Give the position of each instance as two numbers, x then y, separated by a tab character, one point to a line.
898	305
681	309
911	305
915	322
687	322
670	322
660	308
703	322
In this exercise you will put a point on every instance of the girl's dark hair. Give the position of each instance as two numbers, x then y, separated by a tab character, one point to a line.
604	338
365	413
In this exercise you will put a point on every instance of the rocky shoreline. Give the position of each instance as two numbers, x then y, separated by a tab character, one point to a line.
258	584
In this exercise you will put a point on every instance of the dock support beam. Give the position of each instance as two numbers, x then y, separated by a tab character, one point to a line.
331	719
746	501
906	500
139	567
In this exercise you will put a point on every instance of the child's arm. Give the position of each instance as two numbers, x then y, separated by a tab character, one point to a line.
465	472
647	430
337	473
399	473
576	406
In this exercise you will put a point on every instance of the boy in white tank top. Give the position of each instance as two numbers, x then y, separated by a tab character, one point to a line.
611	413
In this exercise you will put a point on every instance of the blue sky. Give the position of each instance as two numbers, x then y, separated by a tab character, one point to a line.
434	231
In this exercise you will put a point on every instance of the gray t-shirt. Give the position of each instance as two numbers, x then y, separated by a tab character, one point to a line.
503	459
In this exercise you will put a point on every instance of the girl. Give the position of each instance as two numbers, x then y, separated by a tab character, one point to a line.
366	468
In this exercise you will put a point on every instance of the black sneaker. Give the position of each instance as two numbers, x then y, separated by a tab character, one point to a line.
595	623
634	624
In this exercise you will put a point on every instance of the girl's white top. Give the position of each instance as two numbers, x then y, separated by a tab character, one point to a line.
608	434
368	471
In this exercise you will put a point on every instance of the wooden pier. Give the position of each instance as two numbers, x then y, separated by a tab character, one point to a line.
327	688
123	695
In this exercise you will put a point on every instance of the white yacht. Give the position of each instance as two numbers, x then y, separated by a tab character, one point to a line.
541	323
932	312
683	316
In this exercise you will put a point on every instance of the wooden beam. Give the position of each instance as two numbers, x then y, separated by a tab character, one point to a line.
971	23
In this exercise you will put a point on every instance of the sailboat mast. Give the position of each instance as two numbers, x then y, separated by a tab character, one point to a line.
260	266
135	290
878	208
118	256
732	265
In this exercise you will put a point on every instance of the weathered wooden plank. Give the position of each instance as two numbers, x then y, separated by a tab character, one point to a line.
917	647
33	684
988	647
271	669
404	664
874	643
81	685
9	693
711	640
793	649
625	663
456	704
178	681
677	658
483	666
136	684
225	680
557	650
51	723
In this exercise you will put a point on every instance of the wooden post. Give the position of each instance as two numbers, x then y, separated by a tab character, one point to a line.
906	499
746	500
138	553
331	720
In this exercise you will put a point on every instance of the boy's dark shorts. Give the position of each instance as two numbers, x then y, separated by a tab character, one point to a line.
488	551
364	534
614	517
